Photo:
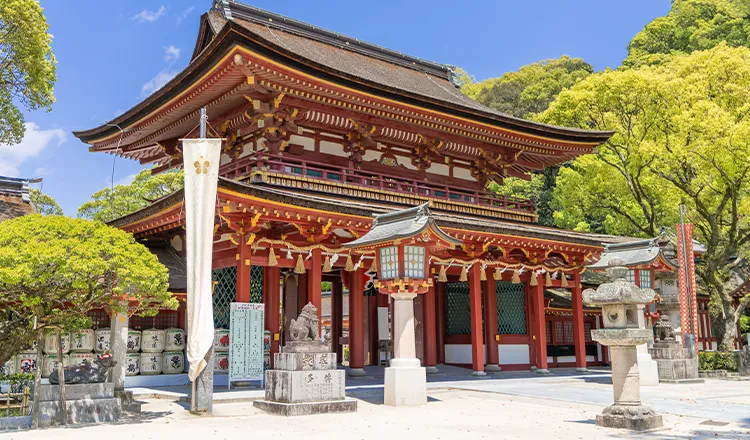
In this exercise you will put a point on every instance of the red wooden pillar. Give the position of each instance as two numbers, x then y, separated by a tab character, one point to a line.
540	325
440	321
314	281
243	271
429	330
475	310
490	323
356	324
336	317
579	337
530	320
272	300
372	319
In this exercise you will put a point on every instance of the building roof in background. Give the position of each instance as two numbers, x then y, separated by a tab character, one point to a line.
175	263
14	197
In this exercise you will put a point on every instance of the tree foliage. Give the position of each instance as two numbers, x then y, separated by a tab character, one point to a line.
27	65
44	204
682	134
57	268
111	203
689	26
529	90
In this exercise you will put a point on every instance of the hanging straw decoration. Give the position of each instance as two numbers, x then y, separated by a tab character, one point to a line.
442	276
516	277
498	275
534	281
563	280
548	280
349	264
483	274
300	267
374	266
464	275
272	261
327	264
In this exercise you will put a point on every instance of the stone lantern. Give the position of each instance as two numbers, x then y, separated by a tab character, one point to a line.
402	242
619	300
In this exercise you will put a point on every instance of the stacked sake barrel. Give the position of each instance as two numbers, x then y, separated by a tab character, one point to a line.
162	351
221	351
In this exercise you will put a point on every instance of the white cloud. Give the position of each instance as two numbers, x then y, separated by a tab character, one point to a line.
34	142
157	82
148	16
43	172
184	14
171	53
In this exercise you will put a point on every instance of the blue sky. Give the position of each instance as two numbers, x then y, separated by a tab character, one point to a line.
113	54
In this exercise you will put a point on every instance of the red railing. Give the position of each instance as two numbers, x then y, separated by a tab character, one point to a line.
297	167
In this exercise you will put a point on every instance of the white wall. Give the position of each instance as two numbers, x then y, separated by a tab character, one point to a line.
508	353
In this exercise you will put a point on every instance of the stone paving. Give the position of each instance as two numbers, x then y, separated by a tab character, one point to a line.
510	405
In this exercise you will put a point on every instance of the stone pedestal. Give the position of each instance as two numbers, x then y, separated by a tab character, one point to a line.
674	365
405	379
646	365
305	381
202	398
118	341
85	403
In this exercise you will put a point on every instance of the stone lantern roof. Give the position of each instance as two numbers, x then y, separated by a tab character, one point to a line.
619	290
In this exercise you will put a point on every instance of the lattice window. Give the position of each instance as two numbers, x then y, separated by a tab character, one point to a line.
645	278
511	308
563	333
457	314
414	264
224	294
587	332
389	262
164	320
630	276
548	328
99	319
256	284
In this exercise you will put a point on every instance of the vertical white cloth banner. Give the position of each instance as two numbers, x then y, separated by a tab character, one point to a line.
201	164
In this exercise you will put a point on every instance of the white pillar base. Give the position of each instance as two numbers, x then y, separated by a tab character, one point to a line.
432	370
582	370
492	368
356	372
542	371
405	383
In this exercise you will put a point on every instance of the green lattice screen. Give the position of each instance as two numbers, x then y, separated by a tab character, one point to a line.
256	284
457	315
224	294
511	308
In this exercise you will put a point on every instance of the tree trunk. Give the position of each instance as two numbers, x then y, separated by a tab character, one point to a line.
38	379
61	375
724	327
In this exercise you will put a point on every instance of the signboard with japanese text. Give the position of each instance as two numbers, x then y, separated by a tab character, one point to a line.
246	345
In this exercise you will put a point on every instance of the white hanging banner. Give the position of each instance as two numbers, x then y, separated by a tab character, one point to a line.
201	164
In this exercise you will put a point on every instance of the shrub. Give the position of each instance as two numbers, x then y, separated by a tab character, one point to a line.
717	360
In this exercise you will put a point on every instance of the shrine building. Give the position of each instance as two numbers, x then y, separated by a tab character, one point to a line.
322	132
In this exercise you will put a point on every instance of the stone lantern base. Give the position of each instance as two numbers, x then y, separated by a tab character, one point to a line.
636	418
405	383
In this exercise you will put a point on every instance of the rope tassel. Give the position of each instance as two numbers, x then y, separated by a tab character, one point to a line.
300	267
483	275
548	280
564	280
498	275
516	277
442	276
464	275
349	264
374	266
534	281
272	261
327	264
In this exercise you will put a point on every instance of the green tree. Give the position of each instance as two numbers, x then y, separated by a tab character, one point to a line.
44	204
682	134
689	26
56	269
27	65
108	204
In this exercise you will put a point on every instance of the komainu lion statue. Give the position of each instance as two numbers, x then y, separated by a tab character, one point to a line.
305	327
86	372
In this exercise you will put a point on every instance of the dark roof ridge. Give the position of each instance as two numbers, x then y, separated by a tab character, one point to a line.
232	9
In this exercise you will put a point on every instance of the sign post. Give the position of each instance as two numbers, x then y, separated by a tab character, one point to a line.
246	347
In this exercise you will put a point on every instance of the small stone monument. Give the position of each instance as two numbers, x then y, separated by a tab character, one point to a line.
619	300
305	379
675	366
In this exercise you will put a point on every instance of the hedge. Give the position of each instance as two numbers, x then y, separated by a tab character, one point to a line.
717	360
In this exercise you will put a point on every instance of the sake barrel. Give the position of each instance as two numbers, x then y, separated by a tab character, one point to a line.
221	362
175	339
50	342
151	363
80	358
174	362
9	367
101	344
26	362
134	341
82	341
221	339
133	364
153	341
50	363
